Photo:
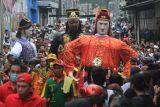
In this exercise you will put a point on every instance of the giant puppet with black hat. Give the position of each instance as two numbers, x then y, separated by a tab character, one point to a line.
23	48
73	31
98	50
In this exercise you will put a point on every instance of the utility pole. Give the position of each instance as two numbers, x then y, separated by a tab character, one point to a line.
87	4
60	8
1	16
88	8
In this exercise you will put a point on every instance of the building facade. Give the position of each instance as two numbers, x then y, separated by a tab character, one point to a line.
145	16
68	4
87	7
114	7
47	8
32	10
14	9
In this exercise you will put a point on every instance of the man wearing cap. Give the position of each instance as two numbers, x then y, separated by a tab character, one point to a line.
10	86
73	30
25	96
53	92
100	50
23	48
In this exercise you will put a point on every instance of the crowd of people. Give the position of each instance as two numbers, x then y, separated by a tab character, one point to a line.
75	65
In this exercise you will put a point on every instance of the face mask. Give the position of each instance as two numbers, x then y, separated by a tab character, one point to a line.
13	77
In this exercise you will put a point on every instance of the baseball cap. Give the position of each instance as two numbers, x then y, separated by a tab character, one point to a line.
52	56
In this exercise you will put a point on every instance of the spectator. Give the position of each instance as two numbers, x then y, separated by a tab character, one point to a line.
121	102
25	95
139	85
53	92
91	97
10	86
40	76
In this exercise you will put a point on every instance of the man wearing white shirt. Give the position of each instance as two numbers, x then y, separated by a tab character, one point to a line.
23	48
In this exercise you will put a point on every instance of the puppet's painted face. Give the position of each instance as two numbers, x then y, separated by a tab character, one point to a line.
103	27
28	32
73	24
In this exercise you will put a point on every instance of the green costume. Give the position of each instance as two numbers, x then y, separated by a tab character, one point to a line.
55	93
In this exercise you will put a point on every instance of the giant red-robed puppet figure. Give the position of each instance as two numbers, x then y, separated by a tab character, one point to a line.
99	50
